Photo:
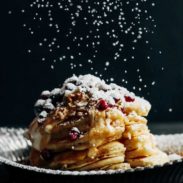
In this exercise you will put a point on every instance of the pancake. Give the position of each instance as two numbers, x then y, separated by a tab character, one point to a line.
94	158
159	158
89	125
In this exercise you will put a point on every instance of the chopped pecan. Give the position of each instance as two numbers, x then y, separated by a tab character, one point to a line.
61	113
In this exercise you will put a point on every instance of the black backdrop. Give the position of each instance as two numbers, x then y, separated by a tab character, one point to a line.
24	76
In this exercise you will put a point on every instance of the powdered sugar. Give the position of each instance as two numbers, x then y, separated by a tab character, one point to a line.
39	102
97	88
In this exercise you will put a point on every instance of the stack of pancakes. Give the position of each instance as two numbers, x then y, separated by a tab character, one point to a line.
89	125
140	144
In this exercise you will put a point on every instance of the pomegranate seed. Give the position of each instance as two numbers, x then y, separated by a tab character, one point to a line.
74	134
116	100
102	105
129	99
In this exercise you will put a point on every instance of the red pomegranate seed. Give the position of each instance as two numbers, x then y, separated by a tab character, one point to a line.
102	105
116	100
129	99
74	134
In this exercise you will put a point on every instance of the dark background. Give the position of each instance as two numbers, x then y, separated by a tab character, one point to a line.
24	76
